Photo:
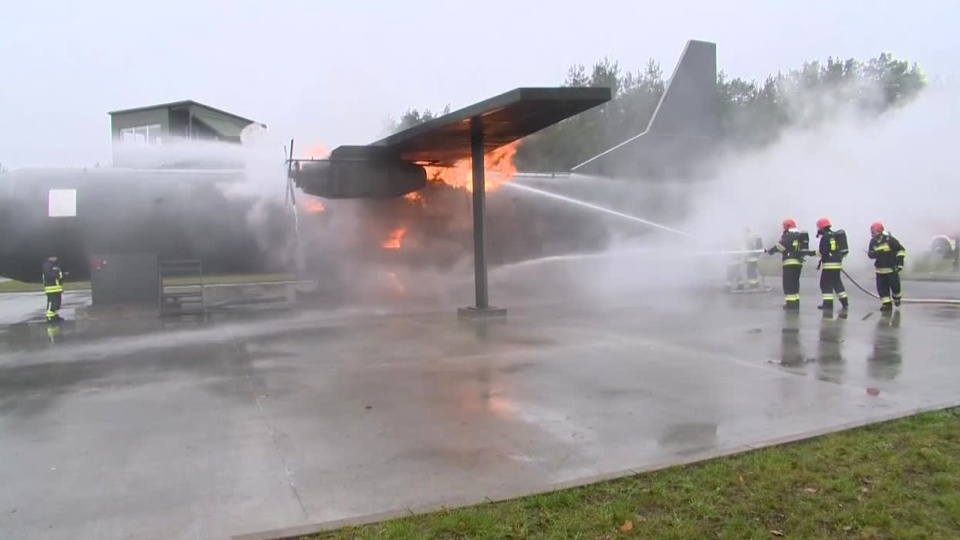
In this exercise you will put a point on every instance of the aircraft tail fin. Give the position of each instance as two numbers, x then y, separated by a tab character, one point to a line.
687	116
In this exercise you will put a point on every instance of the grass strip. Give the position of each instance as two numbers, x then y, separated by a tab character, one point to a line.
898	479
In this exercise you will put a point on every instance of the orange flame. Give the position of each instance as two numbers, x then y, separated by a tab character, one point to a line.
416	198
317	151
393	240
313	206
498	168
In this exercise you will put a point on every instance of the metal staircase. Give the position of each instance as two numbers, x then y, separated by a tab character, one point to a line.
181	287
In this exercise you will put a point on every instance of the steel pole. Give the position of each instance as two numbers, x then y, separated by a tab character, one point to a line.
482	309
479	213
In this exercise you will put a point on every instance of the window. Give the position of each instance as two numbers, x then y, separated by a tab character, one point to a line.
62	203
141	135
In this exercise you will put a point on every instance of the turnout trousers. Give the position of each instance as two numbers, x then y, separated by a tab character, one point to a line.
53	304
888	288
831	285
791	285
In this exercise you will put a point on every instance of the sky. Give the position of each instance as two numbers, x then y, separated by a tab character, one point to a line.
332	72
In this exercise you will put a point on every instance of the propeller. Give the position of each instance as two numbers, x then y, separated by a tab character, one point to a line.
291	197
291	194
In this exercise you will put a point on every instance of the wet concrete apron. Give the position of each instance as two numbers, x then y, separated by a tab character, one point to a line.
132	428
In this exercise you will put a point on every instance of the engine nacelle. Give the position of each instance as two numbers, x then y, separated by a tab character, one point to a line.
359	172
943	246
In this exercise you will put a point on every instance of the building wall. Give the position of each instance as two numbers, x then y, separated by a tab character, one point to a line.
156	117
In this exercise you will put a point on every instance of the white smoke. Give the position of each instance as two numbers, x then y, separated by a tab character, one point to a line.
900	169
837	160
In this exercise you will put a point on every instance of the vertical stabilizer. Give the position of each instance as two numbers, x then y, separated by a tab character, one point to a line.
683	130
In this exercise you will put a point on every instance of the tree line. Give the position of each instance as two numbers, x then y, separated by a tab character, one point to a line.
753	113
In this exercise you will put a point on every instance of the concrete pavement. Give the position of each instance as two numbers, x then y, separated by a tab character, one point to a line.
252	421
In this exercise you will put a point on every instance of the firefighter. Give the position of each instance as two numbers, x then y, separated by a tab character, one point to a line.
753	246
53	287
833	248
888	255
793	246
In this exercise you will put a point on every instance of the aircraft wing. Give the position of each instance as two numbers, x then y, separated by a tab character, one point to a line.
505	118
393	166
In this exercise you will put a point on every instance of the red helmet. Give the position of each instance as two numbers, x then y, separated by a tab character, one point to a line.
823	223
789	223
876	227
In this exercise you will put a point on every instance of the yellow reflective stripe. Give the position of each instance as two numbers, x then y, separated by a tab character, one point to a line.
792	262
53	289
832	266
842	295
882	247
780	247
884	270
828	297
902	253
885	300
792	297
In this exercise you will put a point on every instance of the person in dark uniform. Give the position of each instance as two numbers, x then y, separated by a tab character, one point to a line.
793	246
53	287
888	256
833	248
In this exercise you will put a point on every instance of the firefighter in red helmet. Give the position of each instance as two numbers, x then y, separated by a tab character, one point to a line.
793	246
833	248
888	256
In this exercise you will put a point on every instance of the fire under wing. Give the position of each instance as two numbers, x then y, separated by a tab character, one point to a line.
394	166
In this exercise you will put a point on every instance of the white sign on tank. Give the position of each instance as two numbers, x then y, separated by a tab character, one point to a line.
62	203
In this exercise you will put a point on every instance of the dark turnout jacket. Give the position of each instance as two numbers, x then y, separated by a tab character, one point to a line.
887	252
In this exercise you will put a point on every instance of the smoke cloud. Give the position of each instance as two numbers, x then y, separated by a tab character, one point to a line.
839	159
898	168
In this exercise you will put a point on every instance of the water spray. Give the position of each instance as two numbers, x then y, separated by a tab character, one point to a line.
597	208
944	301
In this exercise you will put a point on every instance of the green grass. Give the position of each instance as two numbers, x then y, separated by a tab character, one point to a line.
19	286
899	479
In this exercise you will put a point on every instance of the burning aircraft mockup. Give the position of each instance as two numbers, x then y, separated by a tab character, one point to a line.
406	194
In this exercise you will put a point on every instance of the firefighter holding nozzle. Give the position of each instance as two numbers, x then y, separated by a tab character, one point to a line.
794	246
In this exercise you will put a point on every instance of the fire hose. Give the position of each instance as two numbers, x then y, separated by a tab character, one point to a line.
943	301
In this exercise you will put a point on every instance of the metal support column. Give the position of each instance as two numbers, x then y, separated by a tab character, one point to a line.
482	309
